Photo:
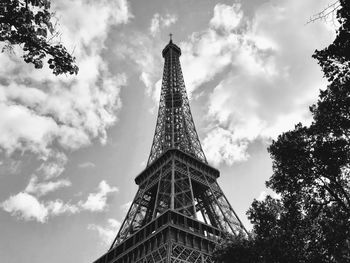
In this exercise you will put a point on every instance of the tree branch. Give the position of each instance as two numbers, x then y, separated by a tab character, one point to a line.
324	14
335	196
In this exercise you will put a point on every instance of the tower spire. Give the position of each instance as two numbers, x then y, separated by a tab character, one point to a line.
175	128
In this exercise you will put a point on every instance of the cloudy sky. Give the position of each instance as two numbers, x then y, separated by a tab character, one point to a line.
70	146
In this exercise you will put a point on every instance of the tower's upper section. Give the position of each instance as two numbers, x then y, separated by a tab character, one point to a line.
171	46
175	128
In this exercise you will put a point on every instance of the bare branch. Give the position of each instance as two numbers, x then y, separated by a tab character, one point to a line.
325	14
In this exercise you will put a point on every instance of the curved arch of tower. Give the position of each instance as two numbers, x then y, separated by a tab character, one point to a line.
179	212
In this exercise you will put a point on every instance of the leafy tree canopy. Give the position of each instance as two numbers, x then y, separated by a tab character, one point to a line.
28	24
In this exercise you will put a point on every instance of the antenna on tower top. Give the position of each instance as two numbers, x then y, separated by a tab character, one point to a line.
171	37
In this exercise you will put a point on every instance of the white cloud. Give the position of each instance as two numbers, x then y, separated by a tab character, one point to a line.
98	201
21	128
42	188
53	165
267	79
121	11
206	54
140	49
226	17
40	112
48	115
58	207
210	52
221	145
25	206
158	22
87	22
154	27
107	233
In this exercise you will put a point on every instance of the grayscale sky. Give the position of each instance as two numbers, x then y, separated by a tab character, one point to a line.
71	146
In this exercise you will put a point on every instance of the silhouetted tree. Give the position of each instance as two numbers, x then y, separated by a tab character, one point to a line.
236	249
27	23
311	173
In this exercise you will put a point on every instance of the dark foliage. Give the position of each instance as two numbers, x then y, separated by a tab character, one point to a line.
311	172
235	249
27	23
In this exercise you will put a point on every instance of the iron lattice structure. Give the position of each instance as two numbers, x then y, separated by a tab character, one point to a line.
179	212
175	127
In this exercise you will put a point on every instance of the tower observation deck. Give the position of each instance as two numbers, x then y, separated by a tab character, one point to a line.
179	212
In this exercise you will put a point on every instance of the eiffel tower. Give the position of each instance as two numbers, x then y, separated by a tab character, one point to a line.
179	212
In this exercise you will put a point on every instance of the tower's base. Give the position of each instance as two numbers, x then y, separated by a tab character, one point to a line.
171	237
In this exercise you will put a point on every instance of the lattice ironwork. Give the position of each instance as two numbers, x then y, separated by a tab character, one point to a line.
185	185
160	255
179	212
175	127
182	254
